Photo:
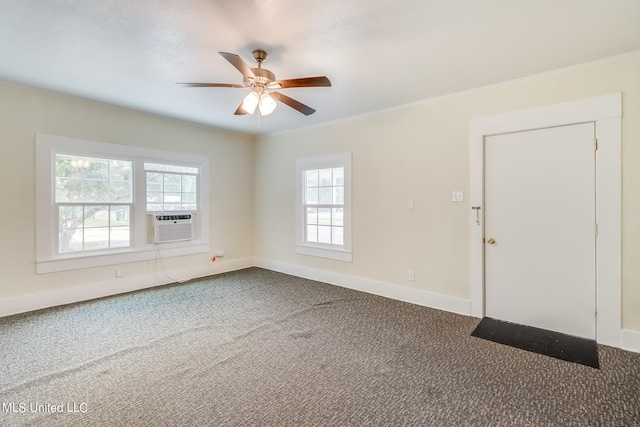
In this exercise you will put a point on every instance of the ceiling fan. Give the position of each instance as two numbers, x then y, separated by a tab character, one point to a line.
264	86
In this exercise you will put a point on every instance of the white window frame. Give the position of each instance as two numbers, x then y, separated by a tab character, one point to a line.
338	252
47	257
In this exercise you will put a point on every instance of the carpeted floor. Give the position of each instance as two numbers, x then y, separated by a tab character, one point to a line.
256	347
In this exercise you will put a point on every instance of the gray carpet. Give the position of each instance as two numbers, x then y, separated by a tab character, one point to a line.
256	347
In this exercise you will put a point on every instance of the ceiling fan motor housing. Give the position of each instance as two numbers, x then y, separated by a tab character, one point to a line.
263	77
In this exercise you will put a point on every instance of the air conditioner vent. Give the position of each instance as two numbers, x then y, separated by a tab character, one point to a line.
172	228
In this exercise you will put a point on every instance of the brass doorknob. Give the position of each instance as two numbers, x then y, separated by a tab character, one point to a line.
491	240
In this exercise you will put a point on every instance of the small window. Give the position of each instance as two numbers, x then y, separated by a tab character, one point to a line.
324	206
171	188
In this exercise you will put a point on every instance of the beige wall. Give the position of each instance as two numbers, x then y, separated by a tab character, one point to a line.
25	111
421	152
418	151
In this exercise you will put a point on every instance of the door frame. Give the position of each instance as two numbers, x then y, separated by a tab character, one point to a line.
606	112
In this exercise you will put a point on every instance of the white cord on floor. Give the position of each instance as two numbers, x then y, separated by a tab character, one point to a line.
164	269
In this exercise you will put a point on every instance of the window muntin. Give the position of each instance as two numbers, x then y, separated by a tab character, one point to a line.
93	201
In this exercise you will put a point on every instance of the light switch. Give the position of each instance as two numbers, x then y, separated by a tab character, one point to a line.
411	204
457	196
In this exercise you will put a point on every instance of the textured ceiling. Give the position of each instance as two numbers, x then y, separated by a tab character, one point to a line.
377	53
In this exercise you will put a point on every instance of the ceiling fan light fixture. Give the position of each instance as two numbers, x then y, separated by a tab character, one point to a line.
267	104
262	81
250	102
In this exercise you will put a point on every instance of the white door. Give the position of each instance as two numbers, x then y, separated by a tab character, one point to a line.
540	229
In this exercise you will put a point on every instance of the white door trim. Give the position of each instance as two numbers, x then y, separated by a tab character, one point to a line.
606	112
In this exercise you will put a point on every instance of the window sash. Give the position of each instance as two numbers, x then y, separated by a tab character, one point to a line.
158	199
113	183
334	227
80	226
170	168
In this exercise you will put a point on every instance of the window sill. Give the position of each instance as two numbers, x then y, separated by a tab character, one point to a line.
337	254
149	252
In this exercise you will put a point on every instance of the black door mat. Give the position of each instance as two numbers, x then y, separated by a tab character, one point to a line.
541	341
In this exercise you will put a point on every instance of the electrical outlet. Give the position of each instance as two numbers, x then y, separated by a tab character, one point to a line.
119	271
411	276
457	196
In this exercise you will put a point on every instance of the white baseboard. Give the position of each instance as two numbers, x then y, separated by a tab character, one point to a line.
40	300
37	301
631	340
402	293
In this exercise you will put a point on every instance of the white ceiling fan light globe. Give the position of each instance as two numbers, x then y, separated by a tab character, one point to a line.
250	102
267	104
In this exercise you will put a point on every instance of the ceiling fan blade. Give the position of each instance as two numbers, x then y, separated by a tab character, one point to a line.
296	105
320	81
210	85
240	111
237	62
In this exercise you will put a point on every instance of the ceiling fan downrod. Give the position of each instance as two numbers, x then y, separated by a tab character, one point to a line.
259	55
263	77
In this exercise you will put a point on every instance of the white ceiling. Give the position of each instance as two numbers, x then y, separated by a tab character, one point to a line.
378	54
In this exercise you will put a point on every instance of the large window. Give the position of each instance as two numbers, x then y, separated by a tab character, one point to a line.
93	202
323	206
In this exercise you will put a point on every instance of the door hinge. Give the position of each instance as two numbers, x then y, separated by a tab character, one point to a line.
595	229
595	314
595	144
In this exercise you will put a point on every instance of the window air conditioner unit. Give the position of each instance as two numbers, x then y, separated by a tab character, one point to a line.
172	228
